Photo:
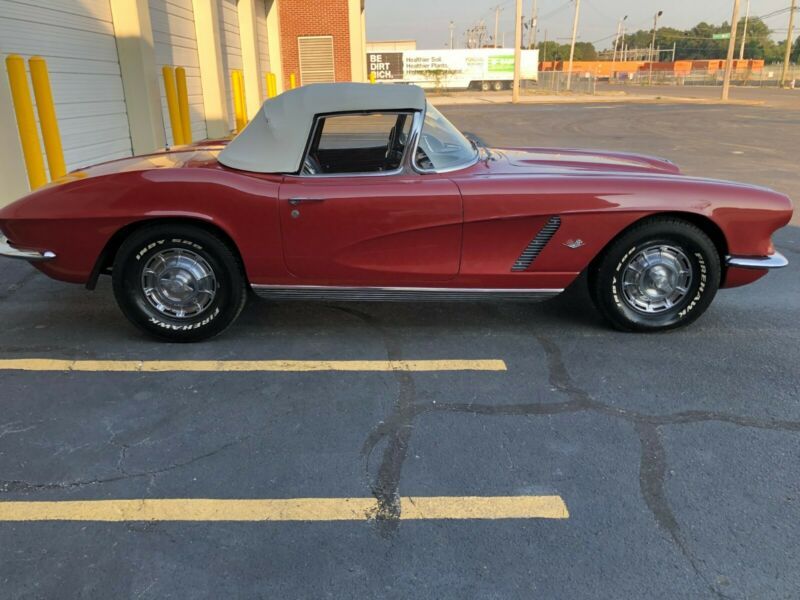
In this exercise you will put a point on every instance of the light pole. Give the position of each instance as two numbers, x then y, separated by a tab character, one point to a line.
452	28
726	81
653	45
517	53
744	33
787	54
497	10
572	45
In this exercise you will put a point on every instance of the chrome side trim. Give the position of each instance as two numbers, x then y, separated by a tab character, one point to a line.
537	244
32	255
773	261
398	294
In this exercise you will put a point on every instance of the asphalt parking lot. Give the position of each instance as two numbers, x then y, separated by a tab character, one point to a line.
675	455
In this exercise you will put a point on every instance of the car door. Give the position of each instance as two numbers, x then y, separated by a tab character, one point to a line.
363	221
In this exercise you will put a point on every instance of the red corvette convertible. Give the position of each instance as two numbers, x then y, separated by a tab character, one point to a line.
366	192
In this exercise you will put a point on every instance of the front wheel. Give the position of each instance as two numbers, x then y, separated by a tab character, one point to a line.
178	282
659	275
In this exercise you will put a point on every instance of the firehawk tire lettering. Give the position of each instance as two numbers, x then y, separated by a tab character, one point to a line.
132	258
605	278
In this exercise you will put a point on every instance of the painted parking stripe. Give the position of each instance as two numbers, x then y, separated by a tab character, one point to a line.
165	366
290	509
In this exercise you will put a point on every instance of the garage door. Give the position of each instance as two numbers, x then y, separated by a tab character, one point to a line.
263	44
231	49
175	41
77	39
316	59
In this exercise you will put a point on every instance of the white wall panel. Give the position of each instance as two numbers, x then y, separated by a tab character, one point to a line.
76	37
231	49
175	41
263	45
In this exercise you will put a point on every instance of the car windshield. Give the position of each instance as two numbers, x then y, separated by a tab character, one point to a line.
441	145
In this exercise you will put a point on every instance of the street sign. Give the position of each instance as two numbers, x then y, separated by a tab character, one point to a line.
721	36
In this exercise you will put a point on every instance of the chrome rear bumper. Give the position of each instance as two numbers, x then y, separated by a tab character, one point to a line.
33	255
773	261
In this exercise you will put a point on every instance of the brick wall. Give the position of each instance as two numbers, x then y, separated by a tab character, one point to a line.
313	17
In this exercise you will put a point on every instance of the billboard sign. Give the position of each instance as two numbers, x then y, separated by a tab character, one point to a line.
451	68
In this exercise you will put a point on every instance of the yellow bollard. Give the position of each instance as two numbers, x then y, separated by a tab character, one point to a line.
273	80
239	106
47	117
183	104
172	106
272	85
242	100
292	81
26	122
372	77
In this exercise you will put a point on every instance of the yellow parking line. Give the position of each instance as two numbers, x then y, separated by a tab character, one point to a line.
163	366
290	509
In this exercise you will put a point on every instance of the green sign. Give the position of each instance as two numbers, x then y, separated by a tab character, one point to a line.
503	63
721	36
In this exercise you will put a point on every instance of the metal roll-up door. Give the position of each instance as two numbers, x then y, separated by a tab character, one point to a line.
231	49
76	37
263	41
316	59
175	42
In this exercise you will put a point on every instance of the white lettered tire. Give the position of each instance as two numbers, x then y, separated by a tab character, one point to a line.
661	274
178	282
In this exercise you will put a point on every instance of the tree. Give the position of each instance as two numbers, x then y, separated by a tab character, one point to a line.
556	51
795	56
698	43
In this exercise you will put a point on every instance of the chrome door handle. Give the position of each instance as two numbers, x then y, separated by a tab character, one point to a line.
296	201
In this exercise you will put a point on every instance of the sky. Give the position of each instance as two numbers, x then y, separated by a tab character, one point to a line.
427	21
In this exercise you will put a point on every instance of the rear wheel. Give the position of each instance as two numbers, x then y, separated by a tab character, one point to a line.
178	282
659	275
486	86
498	86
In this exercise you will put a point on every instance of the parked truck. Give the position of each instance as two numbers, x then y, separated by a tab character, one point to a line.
485	69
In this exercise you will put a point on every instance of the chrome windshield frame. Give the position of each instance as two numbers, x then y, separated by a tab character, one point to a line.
419	122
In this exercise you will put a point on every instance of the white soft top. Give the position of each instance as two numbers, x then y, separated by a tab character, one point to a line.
275	140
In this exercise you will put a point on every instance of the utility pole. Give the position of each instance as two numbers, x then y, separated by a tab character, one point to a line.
726	81
788	52
544	47
534	23
653	45
616	40
497	11
572	45
744	33
517	53
452	29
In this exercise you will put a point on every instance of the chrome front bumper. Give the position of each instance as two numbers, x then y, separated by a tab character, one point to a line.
773	261
33	255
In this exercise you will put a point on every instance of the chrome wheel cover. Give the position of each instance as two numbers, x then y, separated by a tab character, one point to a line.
657	278
179	283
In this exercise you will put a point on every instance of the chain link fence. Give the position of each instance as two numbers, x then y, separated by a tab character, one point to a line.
558	82
769	76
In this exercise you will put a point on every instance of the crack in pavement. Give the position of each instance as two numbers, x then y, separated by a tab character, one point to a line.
19	486
397	429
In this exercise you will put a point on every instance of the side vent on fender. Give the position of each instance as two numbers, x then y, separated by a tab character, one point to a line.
537	244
